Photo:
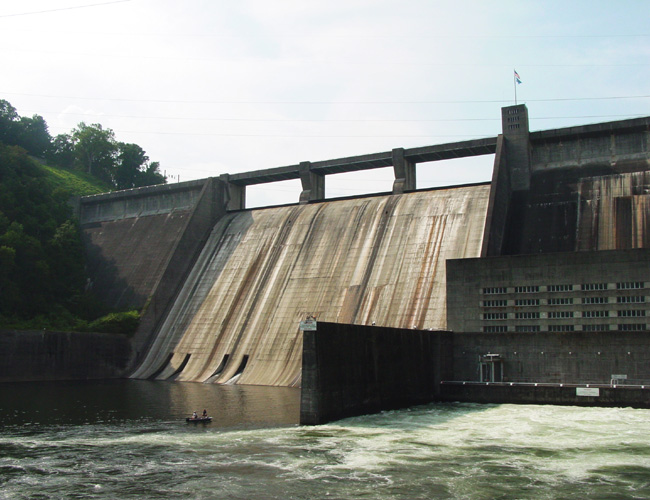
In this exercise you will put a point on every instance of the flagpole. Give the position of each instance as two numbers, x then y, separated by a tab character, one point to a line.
514	82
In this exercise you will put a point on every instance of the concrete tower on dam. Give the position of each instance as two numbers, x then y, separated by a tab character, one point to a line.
224	288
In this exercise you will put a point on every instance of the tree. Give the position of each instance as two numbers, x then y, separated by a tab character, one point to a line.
134	168
89	148
65	260
95	150
130	161
8	120
41	263
151	175
33	135
61	151
29	133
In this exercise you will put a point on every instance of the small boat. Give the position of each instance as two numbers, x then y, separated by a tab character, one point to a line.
204	420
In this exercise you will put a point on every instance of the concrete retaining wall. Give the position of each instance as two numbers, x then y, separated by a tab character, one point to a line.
619	146
619	396
140	202
351	370
44	355
130	237
571	357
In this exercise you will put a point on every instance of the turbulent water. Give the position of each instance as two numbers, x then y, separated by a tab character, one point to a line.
128	440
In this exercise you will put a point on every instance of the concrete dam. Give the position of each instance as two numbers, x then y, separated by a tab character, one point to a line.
361	261
223	289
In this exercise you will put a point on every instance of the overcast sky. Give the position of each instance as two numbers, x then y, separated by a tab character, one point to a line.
207	87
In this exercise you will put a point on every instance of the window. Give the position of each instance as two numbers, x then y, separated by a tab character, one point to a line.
559	288
495	303
494	290
527	328
493	316
560	301
527	302
595	314
527	315
526	289
495	329
631	299
560	314
629	285
595	300
631	313
561	328
595	327
631	327
594	286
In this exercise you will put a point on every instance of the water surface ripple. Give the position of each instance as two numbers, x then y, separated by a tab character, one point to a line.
127	440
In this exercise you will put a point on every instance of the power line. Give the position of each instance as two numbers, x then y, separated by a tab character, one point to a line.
477	101
302	36
294	136
185	58
332	120
63	8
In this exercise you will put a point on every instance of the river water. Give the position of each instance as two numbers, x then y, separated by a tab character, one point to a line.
128	439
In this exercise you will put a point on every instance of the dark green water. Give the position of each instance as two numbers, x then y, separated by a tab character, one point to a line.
128	439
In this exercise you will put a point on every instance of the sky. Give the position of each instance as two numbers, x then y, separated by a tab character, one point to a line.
208	87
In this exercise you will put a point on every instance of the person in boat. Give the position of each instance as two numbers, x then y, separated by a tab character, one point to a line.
205	413
194	415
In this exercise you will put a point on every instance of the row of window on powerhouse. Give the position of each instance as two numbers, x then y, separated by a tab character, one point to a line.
565	301
564	328
623	285
625	313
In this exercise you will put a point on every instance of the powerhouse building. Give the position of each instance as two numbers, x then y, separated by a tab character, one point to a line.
566	243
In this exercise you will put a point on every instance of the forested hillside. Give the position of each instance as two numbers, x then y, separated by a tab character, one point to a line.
42	273
92	149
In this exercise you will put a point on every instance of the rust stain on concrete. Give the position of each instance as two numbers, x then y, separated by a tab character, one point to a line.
379	259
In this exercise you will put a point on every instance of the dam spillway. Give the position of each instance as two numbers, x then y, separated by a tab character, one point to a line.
566	212
378	259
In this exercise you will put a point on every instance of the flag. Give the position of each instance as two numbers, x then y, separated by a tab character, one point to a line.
517	77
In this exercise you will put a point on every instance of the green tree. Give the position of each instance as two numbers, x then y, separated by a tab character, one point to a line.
95	150
31	276
29	133
151	175
33	135
134	168
8	119
131	160
65	258
61	151
36	253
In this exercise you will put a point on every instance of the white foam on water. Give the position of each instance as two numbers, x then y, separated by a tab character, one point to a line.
457	451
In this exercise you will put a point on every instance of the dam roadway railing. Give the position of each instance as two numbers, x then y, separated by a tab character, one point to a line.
622	143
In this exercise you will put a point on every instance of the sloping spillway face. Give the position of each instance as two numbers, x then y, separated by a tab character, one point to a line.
378	259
